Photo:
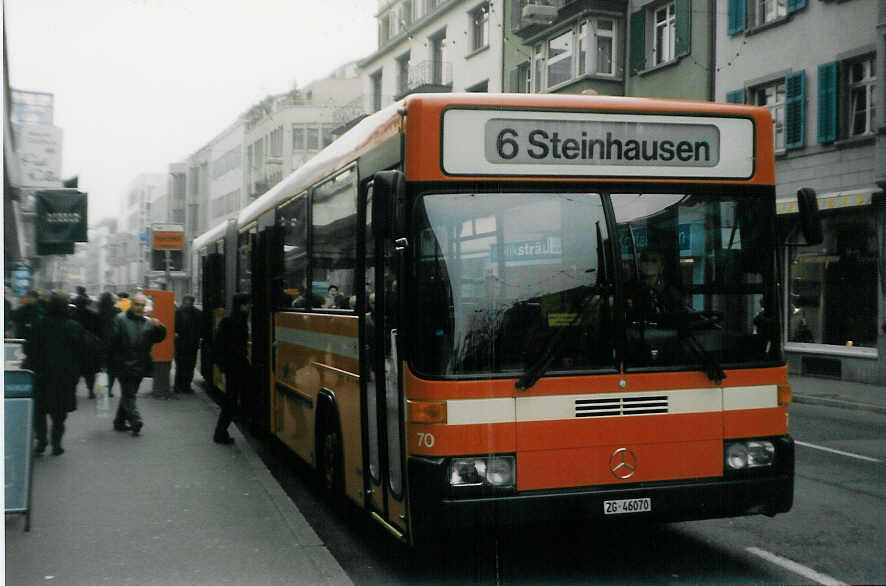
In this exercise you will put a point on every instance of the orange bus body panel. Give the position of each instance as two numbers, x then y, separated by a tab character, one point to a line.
590	466
318	353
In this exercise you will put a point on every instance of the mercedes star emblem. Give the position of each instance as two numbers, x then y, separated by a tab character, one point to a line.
623	463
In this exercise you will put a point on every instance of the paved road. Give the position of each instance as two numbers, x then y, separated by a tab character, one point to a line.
835	533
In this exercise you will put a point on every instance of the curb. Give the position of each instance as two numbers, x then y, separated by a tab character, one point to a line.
854	405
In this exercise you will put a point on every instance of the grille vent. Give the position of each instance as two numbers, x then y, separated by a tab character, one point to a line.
616	406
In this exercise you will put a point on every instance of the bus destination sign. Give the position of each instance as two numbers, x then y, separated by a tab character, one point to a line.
488	142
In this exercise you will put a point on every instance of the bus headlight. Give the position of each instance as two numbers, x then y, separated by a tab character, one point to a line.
747	454
482	471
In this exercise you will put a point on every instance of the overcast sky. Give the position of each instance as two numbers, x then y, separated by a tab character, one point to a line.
140	84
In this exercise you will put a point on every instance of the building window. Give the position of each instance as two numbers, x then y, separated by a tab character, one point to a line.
763	11
665	34
480	27
772	96
750	14
786	99
862	78
520	79
313	139
275	142
847	94
404	15
660	34
403	74
298	138
438	59
596	45
832	297
375	80
557	60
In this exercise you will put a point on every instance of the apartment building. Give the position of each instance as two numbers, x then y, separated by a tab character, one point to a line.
282	132
819	66
434	46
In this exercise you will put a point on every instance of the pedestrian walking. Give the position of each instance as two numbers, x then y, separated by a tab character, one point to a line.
88	318
54	352
107	311
128	352
229	352
188	322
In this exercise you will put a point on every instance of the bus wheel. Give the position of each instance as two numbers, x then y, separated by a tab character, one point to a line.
328	465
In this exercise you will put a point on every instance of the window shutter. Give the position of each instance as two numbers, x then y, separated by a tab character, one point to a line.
737	15
735	97
795	110
827	102
795	5
683	42
638	41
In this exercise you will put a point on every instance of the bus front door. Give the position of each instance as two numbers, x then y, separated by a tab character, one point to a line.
386	498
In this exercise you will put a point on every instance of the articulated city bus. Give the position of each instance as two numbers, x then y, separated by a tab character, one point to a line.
476	311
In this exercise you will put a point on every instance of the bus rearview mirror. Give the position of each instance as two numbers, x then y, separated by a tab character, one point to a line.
810	221
389	198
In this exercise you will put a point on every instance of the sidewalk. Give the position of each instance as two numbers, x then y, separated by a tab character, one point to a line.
166	507
837	393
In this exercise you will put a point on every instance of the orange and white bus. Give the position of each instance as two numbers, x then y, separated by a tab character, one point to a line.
477	310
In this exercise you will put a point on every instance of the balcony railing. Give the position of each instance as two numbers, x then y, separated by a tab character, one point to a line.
428	76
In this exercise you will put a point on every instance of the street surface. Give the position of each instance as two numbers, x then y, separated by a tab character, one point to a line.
835	533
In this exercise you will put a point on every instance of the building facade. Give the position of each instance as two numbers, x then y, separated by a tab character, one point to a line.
434	46
818	66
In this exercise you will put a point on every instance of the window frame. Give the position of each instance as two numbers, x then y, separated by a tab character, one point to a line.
480	27
669	28
868	84
778	109
584	33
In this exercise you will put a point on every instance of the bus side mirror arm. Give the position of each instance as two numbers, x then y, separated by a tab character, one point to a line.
389	209
810	220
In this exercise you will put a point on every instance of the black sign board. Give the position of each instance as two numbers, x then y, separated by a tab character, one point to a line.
61	216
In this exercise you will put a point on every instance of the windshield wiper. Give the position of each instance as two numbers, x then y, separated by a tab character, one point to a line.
537	369
710	365
552	347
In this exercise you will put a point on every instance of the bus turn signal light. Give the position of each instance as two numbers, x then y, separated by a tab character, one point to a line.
784	394
426	411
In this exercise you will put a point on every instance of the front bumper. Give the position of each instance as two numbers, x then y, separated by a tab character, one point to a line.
435	511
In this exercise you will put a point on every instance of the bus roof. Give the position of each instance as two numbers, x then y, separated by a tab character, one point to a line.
211	235
425	149
367	133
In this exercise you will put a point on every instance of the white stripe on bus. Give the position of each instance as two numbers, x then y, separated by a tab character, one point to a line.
563	407
319	341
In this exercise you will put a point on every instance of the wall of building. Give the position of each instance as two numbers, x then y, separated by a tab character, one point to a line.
834	292
689	75
464	69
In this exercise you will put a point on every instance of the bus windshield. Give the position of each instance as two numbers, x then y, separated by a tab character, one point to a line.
526	284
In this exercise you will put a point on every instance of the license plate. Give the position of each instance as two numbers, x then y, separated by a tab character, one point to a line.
619	507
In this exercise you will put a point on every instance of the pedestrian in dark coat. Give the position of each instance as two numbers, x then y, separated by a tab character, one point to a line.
107	311
54	352
229	348
88	318
188	322
128	352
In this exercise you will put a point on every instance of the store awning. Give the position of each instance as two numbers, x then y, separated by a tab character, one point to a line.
830	201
